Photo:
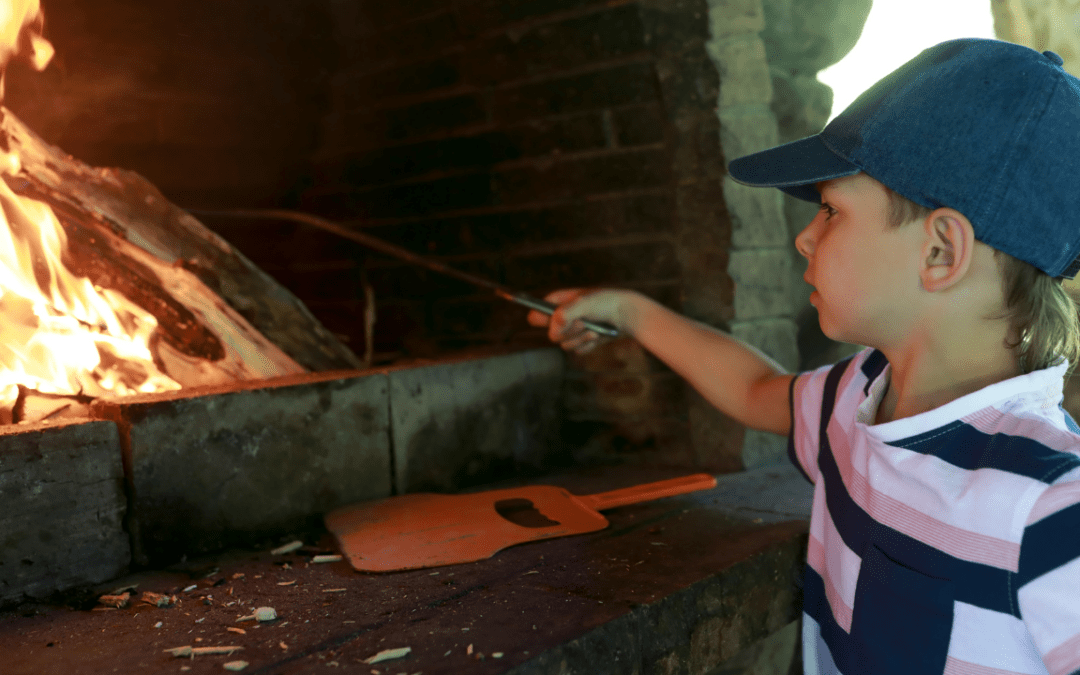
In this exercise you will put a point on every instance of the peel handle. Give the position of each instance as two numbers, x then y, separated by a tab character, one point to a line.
642	493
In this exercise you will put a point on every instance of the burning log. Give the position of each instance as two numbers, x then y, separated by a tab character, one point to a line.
123	208
108	289
104	246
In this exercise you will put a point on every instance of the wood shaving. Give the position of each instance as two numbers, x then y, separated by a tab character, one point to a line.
197	651
157	599
388	654
180	651
287	548
116	601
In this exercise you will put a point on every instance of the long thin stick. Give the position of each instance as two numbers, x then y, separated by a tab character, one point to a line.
395	251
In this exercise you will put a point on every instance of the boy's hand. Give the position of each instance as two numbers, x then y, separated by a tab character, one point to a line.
565	327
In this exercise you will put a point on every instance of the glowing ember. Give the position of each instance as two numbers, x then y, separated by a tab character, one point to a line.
58	333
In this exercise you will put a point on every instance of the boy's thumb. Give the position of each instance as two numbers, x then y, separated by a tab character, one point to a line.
593	306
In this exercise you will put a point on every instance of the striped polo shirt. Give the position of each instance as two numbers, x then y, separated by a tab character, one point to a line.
945	542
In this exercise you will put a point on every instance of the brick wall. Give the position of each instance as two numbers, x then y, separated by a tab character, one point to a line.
538	143
215	102
523	141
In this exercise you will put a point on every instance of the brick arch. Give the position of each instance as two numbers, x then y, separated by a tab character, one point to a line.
768	54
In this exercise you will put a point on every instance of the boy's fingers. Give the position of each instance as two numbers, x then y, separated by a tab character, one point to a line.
587	347
586	340
561	329
564	295
536	318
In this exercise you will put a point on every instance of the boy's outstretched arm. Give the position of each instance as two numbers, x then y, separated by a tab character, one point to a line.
736	378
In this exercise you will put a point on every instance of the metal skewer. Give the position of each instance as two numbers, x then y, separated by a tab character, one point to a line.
395	251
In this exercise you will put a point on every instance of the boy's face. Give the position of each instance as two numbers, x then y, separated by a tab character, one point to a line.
865	274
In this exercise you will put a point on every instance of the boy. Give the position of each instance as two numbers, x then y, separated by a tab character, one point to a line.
945	531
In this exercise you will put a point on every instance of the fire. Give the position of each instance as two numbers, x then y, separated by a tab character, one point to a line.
21	23
59	334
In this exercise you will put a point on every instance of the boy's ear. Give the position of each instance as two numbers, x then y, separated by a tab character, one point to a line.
947	249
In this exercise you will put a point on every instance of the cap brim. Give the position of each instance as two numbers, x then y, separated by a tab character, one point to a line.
794	167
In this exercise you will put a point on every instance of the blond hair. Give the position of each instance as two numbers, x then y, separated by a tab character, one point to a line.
1042	314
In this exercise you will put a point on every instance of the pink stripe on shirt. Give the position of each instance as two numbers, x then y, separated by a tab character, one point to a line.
892	512
954	666
994	421
1054	499
1065	658
815	557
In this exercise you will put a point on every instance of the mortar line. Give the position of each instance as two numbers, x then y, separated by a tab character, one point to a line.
390	435
131	519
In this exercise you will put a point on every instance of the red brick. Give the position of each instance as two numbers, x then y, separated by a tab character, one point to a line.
433	116
530	228
578	177
551	47
479	16
611	86
612	265
602	394
640	125
388	14
405	200
383	46
399	280
409	160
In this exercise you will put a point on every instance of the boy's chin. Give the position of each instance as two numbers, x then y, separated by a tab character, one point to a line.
834	332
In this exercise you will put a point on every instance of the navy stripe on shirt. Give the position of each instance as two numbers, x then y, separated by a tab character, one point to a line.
1044	548
816	605
1016	454
976	584
872	367
792	455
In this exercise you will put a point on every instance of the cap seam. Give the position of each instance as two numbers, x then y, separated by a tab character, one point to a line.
1005	181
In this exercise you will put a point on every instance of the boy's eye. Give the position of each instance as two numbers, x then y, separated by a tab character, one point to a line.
828	210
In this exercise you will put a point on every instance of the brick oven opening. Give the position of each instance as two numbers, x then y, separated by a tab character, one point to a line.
561	144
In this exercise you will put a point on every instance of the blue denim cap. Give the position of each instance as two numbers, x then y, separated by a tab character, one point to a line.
989	128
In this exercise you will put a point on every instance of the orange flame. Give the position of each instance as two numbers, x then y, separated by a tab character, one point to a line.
59	334
21	23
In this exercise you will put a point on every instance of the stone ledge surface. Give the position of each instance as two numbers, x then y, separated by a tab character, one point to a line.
673	586
230	468
62	506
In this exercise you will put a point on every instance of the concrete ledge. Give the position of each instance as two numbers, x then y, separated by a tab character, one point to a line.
463	423
202	470
220	466
61	508
230	468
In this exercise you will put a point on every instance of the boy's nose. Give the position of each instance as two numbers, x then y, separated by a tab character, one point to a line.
804	243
